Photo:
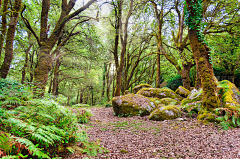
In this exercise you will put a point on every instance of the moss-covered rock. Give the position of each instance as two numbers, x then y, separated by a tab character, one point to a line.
229	93
138	87
168	101
132	105
192	107
195	95
127	92
182	91
165	113
159	93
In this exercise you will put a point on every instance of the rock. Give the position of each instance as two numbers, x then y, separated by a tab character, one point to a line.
194	107
196	95
168	101
159	93
132	105
127	92
165	113
182	91
138	87
230	94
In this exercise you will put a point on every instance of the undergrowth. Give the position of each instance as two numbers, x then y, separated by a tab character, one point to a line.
39	127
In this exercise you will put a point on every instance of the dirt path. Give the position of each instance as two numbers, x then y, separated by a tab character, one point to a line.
137	137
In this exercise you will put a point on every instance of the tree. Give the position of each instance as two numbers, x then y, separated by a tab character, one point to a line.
194	14
10	30
47	42
123	35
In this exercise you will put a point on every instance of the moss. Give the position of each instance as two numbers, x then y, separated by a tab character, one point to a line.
165	113
168	101
132	105
194	97
138	87
229	92
182	91
159	93
206	116
210	97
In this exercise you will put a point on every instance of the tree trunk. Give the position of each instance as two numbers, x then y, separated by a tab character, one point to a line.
4	25
109	81
77	96
55	77
104	78
42	70
50	86
81	98
26	64
201	55
158	79
9	39
185	75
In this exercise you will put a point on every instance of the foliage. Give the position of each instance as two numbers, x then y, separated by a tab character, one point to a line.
229	119
39	125
174	82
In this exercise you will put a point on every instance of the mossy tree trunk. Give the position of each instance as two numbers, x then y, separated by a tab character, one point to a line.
25	64
47	42
160	15
10	36
104	78
3	24
201	54
185	72
124	38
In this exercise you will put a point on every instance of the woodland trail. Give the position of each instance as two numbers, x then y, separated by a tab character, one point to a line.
139	138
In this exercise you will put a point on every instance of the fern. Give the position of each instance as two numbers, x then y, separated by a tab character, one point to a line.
32	148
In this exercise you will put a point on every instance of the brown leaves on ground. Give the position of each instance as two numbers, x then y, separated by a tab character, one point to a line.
141	138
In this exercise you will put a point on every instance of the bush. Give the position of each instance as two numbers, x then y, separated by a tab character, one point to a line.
174	82
37	127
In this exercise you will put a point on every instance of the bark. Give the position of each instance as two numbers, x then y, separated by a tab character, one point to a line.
50	86
9	39
185	75
55	76
160	19
81	98
104	78
109	81
4	25
158	79
201	55
26	64
77	96
123	51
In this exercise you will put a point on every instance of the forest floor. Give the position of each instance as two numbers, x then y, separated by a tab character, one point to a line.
140	138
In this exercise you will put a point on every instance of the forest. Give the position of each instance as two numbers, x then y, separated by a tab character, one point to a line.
119	79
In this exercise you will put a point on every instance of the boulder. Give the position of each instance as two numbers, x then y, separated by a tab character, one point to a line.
168	101
165	113
182	91
229	93
159	93
195	95
132	105
127	92
138	87
192	107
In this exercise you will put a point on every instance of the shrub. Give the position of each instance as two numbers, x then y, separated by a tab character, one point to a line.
37	127
174	82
